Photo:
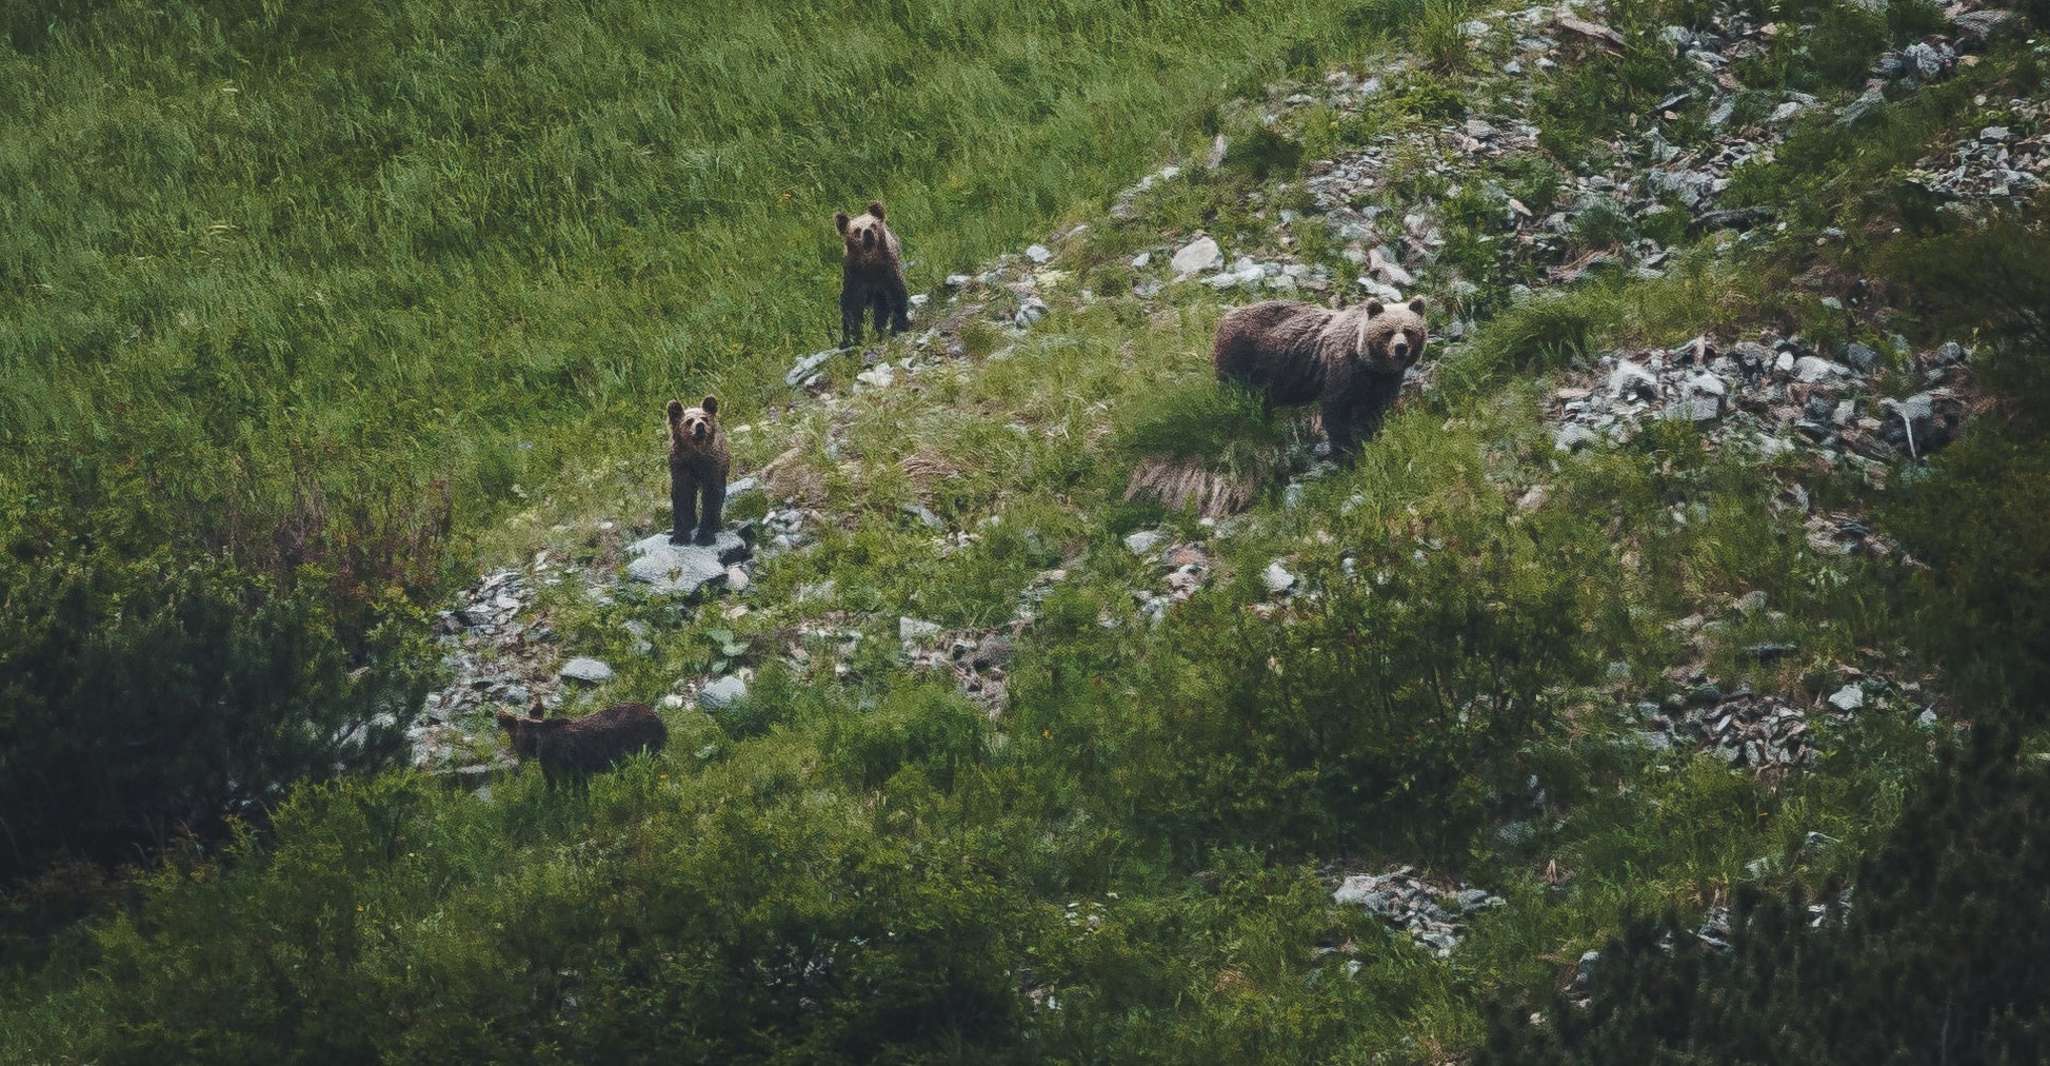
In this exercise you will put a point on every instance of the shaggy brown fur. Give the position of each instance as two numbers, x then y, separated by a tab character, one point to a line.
572	749
871	275
1349	362
698	464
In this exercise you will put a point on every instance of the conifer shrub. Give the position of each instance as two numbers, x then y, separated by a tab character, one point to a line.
142	700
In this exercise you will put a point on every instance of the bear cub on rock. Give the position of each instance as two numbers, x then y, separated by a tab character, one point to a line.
698	465
1350	362
871	275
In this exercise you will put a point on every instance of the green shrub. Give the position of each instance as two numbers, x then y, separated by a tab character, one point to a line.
141	700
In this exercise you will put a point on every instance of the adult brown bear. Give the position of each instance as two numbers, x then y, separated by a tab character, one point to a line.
1349	362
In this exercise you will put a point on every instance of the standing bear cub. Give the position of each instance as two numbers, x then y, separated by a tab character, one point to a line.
698	465
1350	362
572	749
871	275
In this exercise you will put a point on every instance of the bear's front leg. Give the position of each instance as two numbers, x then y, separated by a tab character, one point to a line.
1340	428
1374	405
852	305
715	505
683	505
879	306
899	304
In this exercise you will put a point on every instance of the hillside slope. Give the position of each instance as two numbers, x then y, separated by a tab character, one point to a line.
1696	571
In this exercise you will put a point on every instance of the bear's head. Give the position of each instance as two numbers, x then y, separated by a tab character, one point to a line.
694	426
527	732
865	235
1393	338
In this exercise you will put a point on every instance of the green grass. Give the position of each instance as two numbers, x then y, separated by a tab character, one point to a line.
859	863
260	256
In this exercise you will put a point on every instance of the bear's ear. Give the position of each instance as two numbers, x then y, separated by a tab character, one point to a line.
875	207
840	221
1374	308
1417	305
711	405
675	410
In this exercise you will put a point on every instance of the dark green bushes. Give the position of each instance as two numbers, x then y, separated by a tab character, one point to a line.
141	700
1381	716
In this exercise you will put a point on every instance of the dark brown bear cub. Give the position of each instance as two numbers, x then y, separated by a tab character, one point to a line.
575	748
698	465
871	275
1349	362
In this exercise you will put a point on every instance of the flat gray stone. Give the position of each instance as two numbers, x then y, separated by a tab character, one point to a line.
1810	369
1848	698
1143	541
1197	255
587	670
913	629
1573	437
683	568
807	366
722	693
1630	381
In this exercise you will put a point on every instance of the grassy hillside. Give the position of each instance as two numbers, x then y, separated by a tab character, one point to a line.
1424	759
301	297
267	263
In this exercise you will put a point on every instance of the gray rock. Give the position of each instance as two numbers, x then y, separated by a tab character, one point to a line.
1848	698
1985	23
1583	972
1694	409
683	569
1751	602
1143	541
587	670
722	693
1198	255
1573	437
1030	311
910	630
995	650
1356	889
807	366
1865	106
1630	381
1039	253
924	515
1860	356
1277	578
1811	369
1924	61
